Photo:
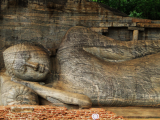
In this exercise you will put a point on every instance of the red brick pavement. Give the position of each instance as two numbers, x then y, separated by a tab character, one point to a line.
35	112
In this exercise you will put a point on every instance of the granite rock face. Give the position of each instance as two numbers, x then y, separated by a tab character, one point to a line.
110	72
93	70
46	22
117	70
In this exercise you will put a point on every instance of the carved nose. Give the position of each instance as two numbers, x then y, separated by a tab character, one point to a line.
41	68
33	65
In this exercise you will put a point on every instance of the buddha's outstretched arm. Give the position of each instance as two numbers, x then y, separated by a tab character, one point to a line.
66	97
82	38
140	47
125	50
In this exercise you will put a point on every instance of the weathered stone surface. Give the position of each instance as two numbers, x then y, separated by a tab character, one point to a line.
148	25
82	53
46	22
16	109
30	62
16	94
135	34
141	20
135	28
99	29
91	64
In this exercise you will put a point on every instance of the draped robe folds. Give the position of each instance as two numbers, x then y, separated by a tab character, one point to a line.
110	72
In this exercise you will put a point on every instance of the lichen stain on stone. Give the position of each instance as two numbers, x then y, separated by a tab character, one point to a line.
21	109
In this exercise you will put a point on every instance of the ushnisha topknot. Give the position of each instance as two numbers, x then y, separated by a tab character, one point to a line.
26	46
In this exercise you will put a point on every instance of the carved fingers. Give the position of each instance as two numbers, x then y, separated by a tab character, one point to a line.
23	82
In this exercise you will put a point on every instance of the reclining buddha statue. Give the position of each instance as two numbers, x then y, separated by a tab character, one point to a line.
30	62
93	70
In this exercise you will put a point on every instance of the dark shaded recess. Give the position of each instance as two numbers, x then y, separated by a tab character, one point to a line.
62	2
17	3
104	33
53	6
1	15
48	2
115	11
12	3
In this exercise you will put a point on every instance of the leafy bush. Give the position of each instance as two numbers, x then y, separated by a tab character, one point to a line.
135	14
149	9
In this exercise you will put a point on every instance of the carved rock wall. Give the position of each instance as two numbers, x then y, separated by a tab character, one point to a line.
46	22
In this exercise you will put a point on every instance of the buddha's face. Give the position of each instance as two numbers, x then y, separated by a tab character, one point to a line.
29	63
32	66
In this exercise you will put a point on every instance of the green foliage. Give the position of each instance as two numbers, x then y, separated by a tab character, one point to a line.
135	14
149	9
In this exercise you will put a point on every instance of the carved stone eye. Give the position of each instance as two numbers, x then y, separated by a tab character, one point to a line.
21	95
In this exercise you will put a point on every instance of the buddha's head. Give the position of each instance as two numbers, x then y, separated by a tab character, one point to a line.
27	61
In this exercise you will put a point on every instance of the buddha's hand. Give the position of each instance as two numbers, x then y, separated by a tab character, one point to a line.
23	82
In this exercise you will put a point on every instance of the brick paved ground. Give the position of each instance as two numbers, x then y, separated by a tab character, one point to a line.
35	112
